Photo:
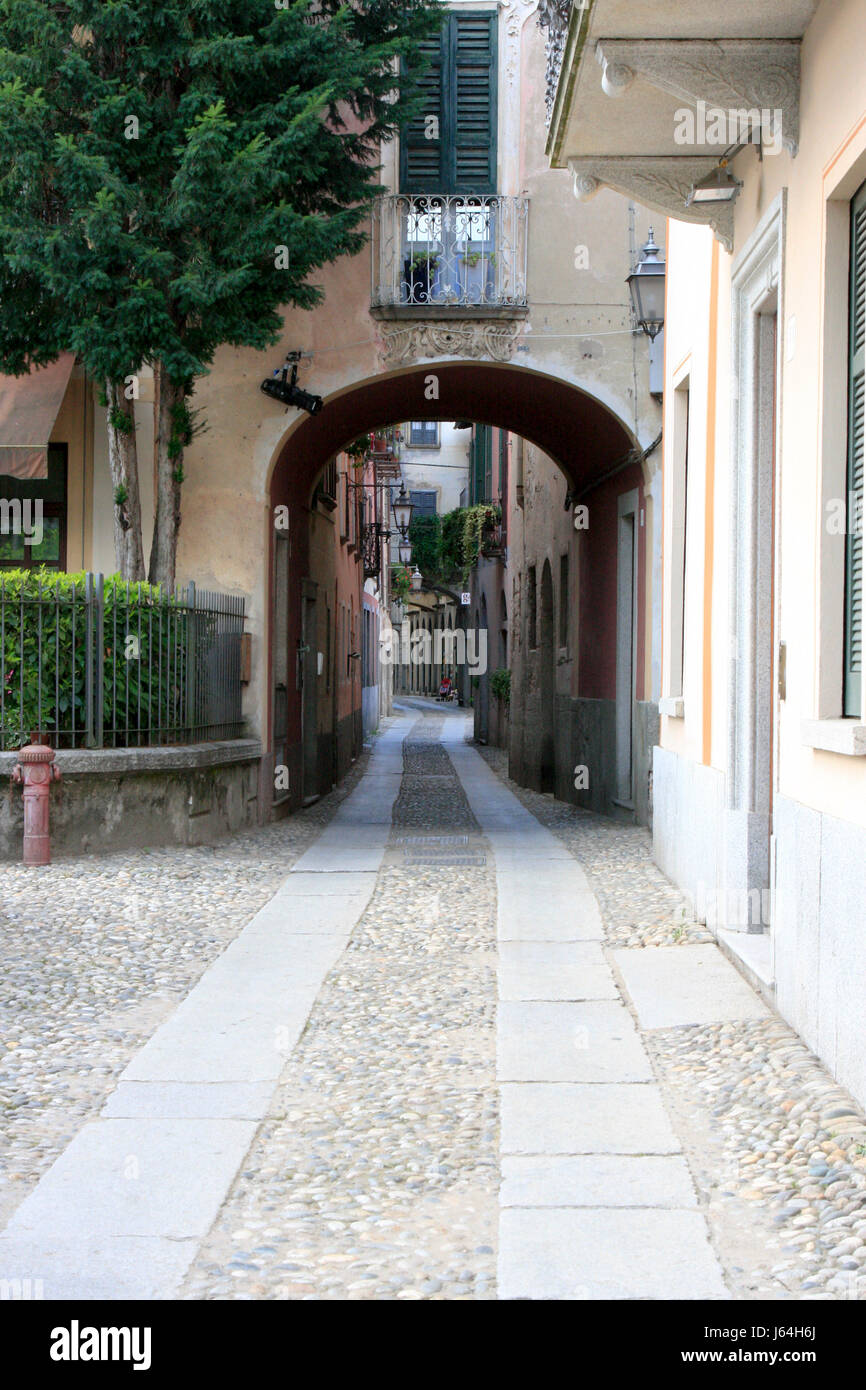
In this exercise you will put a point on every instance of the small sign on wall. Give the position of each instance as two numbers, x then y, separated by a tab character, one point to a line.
465	600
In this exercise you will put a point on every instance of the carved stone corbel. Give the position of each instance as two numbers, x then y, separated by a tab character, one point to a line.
660	182
732	75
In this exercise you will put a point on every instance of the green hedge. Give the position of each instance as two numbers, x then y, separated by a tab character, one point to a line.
43	625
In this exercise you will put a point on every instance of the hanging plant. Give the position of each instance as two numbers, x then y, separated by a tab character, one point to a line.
401	582
358	450
479	523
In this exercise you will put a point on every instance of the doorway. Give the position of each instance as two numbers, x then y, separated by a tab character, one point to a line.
754	518
626	645
307	680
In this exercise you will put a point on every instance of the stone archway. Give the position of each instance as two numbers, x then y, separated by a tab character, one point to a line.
582	435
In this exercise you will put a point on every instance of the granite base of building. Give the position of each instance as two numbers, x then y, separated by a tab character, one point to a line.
817	907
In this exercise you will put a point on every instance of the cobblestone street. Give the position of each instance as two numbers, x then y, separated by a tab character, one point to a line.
434	1062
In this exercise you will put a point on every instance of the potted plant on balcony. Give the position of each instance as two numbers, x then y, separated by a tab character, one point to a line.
421	272
475	275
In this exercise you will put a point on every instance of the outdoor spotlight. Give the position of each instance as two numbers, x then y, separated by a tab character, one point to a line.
719	186
646	285
286	390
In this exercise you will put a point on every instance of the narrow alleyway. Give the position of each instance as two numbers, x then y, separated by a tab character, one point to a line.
468	1047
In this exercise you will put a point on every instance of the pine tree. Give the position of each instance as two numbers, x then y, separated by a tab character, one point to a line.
172	172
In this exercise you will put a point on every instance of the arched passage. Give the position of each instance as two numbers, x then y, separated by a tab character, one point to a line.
581	435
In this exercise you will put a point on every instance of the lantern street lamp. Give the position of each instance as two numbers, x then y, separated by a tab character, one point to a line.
403	509
417	580
646	285
404	552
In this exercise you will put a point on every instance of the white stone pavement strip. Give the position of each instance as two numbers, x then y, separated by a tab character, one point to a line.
677	985
577	1090
121	1212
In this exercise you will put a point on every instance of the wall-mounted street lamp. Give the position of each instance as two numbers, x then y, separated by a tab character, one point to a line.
417	580
403	508
404	552
646	285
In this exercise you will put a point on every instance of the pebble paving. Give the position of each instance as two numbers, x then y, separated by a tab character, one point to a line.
96	952
776	1147
376	1175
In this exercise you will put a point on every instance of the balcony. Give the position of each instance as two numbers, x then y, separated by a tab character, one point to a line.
445	255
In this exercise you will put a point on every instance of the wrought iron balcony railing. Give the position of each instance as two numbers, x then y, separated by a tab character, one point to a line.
449	249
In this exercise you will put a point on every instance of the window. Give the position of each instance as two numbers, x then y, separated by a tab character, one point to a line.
856	436
33	517
450	146
563	601
481	463
503	478
531	615
424	434
424	503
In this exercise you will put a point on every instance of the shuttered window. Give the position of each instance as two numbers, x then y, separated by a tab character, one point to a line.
424	503
482	453
450	146
856	444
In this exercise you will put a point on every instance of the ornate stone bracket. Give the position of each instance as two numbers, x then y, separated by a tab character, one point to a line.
660	182
734	75
410	342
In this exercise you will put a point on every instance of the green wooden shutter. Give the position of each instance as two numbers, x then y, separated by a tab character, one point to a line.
856	444
472	103
422	163
460	92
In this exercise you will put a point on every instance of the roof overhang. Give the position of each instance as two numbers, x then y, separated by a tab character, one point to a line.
652	92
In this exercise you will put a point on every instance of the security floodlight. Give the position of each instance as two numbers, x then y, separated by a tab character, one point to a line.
719	186
288	391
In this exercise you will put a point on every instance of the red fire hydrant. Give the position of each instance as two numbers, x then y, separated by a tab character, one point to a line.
37	770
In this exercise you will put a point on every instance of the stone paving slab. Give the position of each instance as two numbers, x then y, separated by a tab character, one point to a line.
573	1118
312	915
110	1267
554	970
354	848
112	1180
555	1041
596	1180
671	986
569	1253
330	883
533	911
220	1100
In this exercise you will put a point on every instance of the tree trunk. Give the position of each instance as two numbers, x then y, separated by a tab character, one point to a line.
170	435
123	465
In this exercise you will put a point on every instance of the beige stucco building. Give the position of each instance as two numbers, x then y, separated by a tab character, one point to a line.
487	294
760	784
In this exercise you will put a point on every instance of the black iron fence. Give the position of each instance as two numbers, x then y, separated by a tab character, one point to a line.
89	662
